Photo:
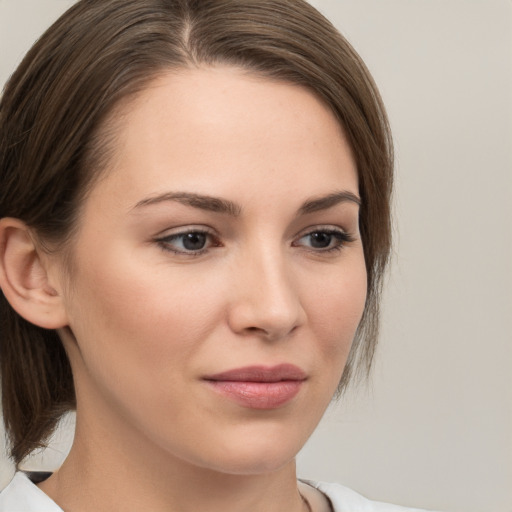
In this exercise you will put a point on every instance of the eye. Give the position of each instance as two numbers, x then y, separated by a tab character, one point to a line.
324	240
192	242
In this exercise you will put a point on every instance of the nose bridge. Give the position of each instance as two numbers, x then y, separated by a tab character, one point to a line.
266	299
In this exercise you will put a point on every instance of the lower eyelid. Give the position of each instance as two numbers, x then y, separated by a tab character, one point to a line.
342	239
329	231
166	242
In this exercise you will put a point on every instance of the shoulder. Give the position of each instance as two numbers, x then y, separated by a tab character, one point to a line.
344	499
21	495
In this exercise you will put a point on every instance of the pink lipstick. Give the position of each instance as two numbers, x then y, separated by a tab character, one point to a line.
259	387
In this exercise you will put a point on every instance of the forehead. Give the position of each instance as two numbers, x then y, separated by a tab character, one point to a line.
206	128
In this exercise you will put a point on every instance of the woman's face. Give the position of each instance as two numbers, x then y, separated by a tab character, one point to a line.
218	273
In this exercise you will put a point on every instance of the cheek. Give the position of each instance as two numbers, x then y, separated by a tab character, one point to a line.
335	310
136	323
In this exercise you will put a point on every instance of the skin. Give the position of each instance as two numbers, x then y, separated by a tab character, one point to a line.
146	320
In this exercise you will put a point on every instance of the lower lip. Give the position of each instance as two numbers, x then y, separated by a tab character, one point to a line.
258	395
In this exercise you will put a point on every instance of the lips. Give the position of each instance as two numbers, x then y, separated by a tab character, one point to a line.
277	373
259	387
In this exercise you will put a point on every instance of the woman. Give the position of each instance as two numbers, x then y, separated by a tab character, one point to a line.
194	226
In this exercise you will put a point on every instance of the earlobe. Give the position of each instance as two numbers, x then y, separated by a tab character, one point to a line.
25	279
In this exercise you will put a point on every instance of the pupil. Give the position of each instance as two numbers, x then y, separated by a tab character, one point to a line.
194	241
320	240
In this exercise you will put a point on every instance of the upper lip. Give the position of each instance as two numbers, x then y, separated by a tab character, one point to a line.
276	373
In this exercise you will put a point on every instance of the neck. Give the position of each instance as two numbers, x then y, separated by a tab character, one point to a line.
120	472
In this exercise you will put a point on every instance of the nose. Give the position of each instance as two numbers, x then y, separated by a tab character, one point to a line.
265	300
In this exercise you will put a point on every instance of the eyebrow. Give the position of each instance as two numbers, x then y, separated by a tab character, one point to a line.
209	203
328	201
219	205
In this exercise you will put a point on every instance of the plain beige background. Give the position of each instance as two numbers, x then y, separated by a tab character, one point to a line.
433	428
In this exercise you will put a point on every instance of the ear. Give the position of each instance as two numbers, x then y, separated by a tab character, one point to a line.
25	279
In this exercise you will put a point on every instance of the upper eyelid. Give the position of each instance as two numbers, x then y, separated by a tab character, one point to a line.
331	231
166	237
321	227
214	233
166	243
183	230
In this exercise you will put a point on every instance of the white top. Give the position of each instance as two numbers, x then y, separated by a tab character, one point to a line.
21	495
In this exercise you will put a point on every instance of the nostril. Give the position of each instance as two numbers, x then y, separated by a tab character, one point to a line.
256	330
270	333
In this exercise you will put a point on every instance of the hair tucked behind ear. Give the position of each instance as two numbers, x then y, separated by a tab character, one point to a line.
54	142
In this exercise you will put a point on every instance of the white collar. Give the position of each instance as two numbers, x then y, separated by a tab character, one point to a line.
21	495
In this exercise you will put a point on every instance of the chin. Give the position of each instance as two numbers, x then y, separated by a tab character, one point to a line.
252	464
254	453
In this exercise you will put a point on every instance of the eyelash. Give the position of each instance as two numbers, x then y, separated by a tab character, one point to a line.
165	242
343	238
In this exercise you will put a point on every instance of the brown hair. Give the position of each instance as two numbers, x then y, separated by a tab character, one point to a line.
52	145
